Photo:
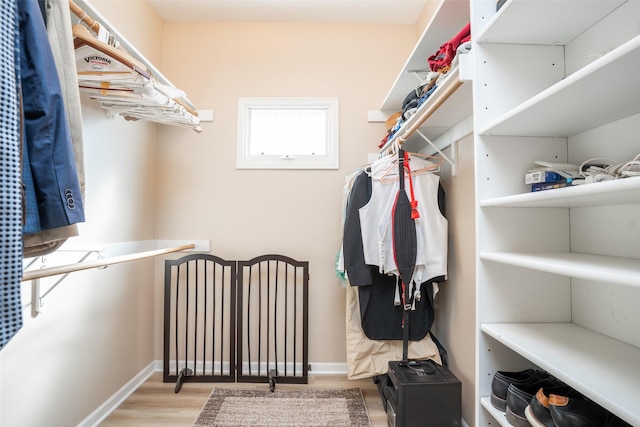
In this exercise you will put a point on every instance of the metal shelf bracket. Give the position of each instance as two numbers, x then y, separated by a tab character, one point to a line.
451	160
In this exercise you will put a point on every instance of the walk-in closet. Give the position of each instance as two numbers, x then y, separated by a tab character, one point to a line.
399	213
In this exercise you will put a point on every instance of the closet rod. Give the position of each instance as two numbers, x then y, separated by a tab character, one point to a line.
69	268
439	97
80	13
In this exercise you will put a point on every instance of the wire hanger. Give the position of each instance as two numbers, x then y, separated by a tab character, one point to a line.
429	166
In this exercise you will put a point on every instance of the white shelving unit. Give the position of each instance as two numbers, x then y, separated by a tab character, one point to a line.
558	272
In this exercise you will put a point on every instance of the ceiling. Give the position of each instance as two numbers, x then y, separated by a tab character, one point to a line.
352	11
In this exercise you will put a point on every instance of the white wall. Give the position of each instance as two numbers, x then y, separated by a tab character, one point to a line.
455	315
246	213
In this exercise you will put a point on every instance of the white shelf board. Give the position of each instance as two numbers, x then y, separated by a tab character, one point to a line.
449	113
499	416
621	271
617	192
556	23
453	111
606	90
604	369
450	17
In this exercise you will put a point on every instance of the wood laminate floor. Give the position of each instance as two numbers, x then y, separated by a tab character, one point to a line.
155	403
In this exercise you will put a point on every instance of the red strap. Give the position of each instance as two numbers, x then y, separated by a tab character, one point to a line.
414	203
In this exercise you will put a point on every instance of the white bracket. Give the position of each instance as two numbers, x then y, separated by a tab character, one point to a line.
452	160
417	74
37	304
102	262
36	300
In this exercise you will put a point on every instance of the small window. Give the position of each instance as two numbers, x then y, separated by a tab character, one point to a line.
287	133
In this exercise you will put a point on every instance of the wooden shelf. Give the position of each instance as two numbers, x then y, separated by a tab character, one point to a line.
617	192
449	18
556	23
610	83
622	271
602	368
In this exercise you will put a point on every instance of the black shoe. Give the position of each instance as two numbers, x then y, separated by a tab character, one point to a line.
502	380
538	413
517	402
520	397
567	412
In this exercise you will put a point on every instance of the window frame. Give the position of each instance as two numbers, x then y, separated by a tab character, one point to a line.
245	160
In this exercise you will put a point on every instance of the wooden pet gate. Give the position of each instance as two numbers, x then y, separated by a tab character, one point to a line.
227	321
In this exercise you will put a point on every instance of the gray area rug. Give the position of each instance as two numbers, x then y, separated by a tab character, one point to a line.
226	407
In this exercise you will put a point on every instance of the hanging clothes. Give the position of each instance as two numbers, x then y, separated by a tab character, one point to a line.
366	357
381	313
373	321
121	84
431	227
57	17
47	137
10	178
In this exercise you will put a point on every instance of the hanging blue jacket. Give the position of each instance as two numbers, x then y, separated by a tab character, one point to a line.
48	141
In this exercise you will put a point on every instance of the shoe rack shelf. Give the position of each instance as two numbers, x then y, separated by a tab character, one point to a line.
497	415
558	271
579	357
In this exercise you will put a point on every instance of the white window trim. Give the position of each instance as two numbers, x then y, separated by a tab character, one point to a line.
246	161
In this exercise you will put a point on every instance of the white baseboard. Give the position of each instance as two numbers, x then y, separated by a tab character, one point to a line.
111	404
317	368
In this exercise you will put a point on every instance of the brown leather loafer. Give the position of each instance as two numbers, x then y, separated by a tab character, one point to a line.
571	412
